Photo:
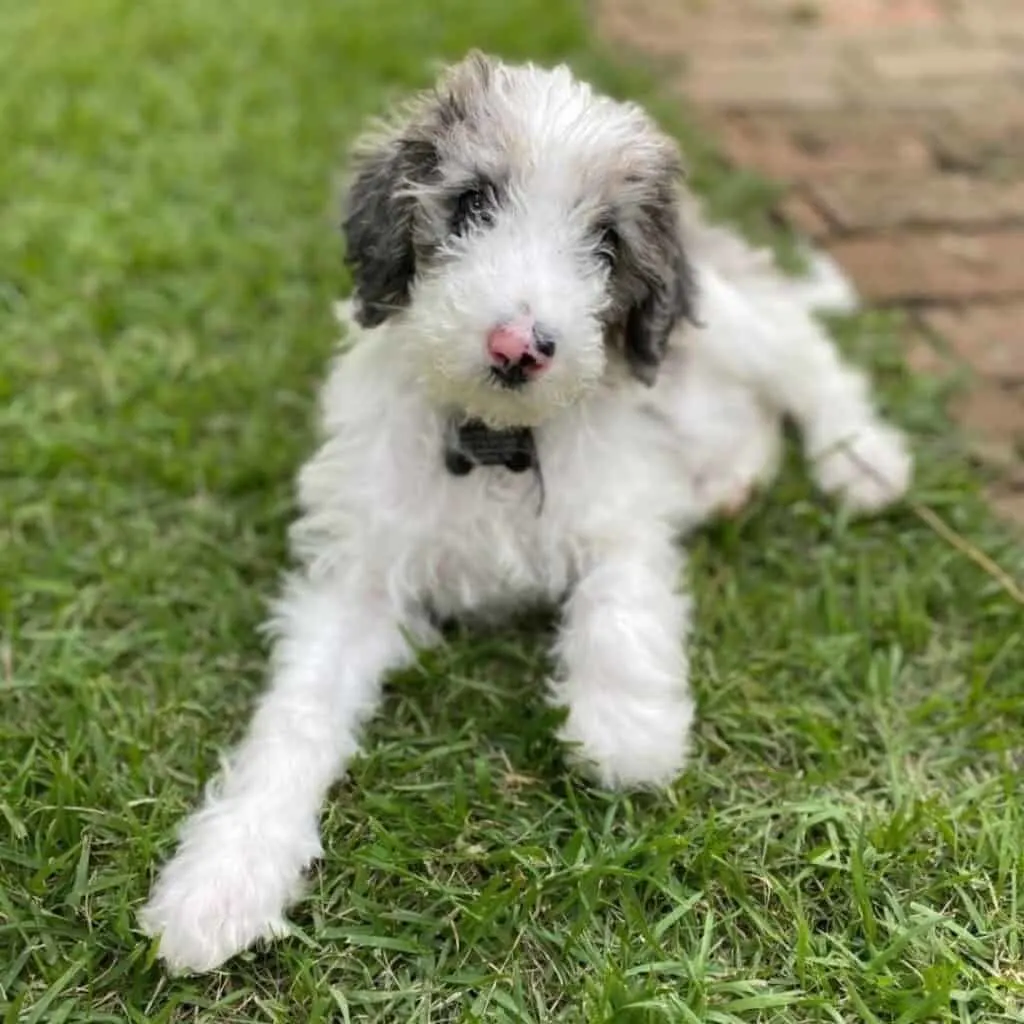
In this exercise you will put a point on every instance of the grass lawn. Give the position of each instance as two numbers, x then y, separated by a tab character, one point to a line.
849	844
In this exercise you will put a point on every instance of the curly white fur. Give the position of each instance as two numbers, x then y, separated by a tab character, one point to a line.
389	541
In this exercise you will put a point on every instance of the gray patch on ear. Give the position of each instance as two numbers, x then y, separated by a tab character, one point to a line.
650	321
378	225
380	222
662	289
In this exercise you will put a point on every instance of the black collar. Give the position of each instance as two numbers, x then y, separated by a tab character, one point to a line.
472	443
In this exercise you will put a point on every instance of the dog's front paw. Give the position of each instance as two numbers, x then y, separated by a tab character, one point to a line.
628	743
866	471
214	900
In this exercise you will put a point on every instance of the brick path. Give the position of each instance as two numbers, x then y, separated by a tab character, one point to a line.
897	129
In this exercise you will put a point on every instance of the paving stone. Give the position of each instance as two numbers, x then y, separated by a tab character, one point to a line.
667	29
937	266
876	202
990	410
872	15
992	420
989	339
810	78
621	23
655	29
801	214
988	141
939	73
1015	476
998	453
804	146
1008	503
937	59
939	96
990	19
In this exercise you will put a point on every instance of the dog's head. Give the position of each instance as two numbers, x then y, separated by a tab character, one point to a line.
526	231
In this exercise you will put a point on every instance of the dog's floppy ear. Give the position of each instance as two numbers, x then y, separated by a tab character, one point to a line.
654	277
378	222
666	293
390	165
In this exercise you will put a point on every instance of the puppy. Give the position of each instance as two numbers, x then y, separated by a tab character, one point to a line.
556	369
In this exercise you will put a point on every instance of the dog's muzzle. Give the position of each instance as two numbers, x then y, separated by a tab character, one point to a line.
519	351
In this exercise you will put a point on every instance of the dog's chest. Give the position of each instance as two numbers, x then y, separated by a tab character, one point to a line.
493	543
497	537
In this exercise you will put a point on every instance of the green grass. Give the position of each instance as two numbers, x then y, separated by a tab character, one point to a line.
848	845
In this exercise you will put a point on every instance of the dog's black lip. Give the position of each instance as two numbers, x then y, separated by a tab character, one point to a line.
511	378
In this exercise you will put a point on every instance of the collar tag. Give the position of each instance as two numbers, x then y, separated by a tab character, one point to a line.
472	443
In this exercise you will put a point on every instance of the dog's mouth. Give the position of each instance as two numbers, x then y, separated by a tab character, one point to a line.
509	378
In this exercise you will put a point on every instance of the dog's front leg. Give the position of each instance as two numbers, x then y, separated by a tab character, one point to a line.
242	855
624	668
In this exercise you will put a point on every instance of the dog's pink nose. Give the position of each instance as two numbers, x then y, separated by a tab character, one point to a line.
508	343
519	343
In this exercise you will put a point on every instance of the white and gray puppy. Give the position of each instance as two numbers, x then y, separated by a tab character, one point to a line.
558	369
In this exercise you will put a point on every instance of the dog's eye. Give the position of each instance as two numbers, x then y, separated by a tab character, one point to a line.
474	206
608	245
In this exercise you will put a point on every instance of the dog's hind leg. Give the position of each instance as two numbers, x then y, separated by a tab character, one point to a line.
772	343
